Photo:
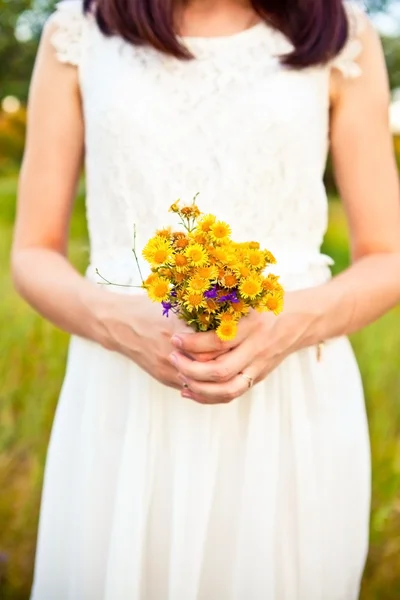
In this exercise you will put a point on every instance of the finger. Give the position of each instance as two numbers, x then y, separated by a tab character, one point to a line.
206	356
219	370
197	343
218	393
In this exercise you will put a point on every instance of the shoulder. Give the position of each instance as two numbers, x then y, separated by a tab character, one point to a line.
361	36
65	30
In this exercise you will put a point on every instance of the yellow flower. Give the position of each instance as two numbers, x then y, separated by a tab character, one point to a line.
196	255
181	243
211	305
229	280
174	207
194	300
180	277
239	308
199	238
152	277
205	223
181	263
243	270
269	257
221	254
270	283
254	245
250	287
158	289
157	251
274	303
207	272
220	231
256	258
227	330
198	284
164	233
204	319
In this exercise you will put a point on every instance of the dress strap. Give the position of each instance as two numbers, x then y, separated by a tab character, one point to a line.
346	61
68	21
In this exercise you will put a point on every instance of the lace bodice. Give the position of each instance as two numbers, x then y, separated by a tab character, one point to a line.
233	124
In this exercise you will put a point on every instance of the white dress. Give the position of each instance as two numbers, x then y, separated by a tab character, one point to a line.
149	496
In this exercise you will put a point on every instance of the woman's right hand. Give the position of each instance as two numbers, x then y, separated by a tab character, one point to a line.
135	327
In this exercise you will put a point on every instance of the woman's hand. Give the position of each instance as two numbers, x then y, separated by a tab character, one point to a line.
136	328
262	342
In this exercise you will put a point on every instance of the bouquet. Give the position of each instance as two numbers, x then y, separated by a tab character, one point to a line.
200	274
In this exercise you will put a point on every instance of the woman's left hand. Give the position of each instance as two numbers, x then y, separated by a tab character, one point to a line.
262	342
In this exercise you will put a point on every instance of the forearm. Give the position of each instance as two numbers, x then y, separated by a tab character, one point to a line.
348	302
49	283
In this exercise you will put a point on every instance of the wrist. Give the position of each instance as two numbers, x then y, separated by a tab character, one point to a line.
310	315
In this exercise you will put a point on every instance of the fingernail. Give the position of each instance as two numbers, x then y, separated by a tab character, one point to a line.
173	359
176	341
186	394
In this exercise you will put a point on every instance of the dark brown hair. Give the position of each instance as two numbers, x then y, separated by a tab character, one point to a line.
318	29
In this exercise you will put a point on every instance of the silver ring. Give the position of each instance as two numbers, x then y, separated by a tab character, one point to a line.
250	380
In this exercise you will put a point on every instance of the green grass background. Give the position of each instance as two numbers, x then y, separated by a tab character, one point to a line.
32	361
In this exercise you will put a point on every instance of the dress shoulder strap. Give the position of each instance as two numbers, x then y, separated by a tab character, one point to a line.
68	21
346	61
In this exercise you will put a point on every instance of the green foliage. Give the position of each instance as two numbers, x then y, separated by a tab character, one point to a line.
32	361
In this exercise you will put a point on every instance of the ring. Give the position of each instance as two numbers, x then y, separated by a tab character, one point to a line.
249	379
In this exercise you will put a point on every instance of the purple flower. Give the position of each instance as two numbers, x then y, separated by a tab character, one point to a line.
231	297
211	294
167	306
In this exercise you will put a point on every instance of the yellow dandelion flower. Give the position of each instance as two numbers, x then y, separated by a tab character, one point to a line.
226	316
254	245
205	223
204	319
166	273
181	243
256	258
229	280
181	263
198	284
207	272
240	308
269	257
221	254
194	300
164	233
199	238
220	231
270	283
174	207
180	277
152	277
243	270
158	290
250	287
274	303
196	255
227	330
211	305
157	251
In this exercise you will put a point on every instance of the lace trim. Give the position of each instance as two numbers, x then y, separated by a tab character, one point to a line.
67	38
346	61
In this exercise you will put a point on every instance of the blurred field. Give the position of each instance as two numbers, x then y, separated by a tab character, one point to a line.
31	369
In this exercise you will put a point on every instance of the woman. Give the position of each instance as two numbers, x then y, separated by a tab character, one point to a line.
168	478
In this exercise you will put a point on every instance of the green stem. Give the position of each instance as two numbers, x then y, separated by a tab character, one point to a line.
135	255
107	282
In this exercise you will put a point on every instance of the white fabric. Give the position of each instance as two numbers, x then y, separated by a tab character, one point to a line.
148	496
